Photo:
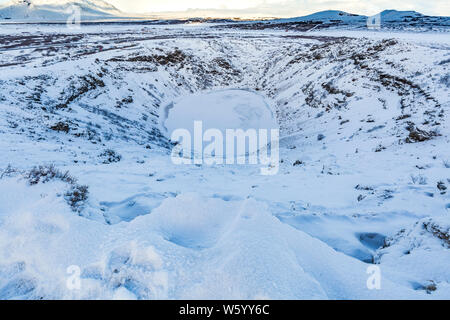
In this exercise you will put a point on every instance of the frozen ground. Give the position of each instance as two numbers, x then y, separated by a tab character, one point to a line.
365	165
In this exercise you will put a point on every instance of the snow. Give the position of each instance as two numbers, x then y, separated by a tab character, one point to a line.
357	197
200	249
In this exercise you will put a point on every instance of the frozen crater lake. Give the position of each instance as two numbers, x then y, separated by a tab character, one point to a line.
213	118
221	109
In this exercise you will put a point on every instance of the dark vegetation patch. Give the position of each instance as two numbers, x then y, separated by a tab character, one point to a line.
76	196
438	231
86	83
297	163
328	86
23	41
125	101
419	135
319	97
319	51
403	117
380	148
9	172
442	187
110	156
298	26
44	174
171	58
61	127
429	286
221	62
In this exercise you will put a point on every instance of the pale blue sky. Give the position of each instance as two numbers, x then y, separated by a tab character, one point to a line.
282	7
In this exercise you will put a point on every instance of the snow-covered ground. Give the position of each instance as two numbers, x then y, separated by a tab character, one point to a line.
363	180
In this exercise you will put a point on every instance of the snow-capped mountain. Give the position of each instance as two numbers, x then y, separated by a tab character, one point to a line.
53	10
394	15
342	16
389	19
328	16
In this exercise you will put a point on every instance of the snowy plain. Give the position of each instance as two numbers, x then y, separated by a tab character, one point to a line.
364	172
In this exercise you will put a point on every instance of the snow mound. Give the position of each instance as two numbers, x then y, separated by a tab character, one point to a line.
245	253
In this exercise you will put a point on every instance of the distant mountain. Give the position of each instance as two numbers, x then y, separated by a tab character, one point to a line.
394	15
55	10
327	16
393	19
336	15
389	19
59	10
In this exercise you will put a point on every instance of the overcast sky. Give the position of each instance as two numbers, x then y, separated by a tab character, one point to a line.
282	7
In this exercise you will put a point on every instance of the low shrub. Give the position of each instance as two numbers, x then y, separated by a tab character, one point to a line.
76	196
110	156
45	174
